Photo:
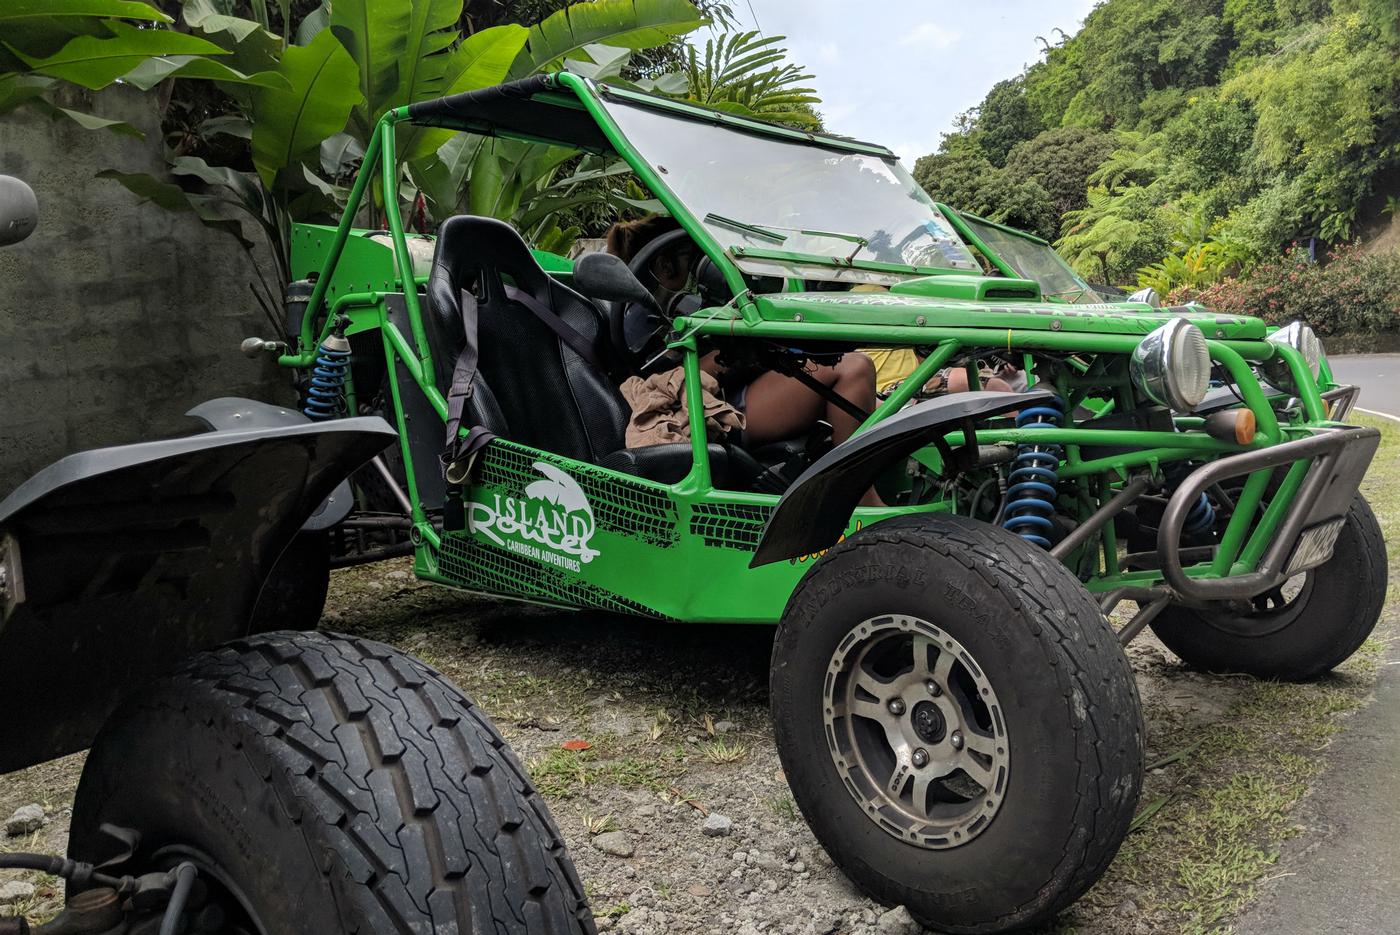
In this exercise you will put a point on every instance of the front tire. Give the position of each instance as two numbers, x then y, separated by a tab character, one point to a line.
1294	633
924	627
329	785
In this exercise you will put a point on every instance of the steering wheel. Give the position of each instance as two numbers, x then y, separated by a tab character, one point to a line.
637	327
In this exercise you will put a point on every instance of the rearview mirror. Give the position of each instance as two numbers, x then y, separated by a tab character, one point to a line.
19	210
604	276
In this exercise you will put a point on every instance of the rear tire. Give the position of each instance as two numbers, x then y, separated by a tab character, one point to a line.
336	785
1327	620
1030	663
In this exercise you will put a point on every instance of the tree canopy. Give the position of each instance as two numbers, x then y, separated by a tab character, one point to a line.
1185	132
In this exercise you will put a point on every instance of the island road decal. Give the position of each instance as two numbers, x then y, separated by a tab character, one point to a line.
552	524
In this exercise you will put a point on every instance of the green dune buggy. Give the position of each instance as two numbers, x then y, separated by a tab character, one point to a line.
954	713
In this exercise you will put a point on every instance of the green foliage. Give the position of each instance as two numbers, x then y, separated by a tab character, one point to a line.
1005	118
1115	234
301	85
289	125
18	12
1198	266
1043	177
747	73
627	24
1127	49
1354	292
95	62
1327	113
956	173
1060	161
1251	122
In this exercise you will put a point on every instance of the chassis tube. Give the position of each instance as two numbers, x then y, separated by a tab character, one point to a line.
342	233
698	478
405	262
911	384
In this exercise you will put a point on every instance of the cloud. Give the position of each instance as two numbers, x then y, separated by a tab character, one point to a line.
910	151
828	53
931	35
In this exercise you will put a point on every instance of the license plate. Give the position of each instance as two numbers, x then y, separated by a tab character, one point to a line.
1315	545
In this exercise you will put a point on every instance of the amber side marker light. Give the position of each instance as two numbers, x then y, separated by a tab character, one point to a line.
1231	425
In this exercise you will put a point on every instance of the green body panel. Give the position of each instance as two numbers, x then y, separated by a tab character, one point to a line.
636	547
368	265
541	527
873	309
969	288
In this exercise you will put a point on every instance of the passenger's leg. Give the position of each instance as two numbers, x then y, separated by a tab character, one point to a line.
776	406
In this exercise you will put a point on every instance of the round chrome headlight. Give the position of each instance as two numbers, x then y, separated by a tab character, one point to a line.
1172	365
1302	339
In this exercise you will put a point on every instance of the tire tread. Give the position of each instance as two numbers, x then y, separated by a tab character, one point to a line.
413	802
1084	656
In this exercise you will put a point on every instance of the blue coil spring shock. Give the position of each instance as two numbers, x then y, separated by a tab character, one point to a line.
1034	477
1201	519
325	395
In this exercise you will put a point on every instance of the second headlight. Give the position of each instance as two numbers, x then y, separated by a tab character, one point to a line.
1172	365
1302	339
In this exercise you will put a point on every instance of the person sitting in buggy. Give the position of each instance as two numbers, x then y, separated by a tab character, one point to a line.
774	406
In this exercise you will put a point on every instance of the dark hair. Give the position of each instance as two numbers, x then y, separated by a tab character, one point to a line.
627	238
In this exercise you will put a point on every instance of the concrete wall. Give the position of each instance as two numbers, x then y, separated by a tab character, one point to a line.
115	316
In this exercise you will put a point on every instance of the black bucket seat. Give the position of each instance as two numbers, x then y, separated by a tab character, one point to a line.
532	386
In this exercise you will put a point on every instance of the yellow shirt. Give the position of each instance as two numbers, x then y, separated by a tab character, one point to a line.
892	365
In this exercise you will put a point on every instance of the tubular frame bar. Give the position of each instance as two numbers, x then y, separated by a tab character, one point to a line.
1324	450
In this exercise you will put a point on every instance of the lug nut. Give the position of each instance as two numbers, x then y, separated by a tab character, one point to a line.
920	758
896	706
956	738
933	688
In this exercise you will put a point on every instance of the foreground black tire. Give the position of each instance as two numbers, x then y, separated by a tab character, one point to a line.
1040	697
329	785
294	595
1302	632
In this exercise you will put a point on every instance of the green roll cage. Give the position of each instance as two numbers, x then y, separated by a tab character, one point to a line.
947	312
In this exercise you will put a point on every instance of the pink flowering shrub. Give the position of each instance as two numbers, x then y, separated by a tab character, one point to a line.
1351	292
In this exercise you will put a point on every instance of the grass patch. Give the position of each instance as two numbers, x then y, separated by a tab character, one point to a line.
783	805
564	774
1219	797
720	752
1212	820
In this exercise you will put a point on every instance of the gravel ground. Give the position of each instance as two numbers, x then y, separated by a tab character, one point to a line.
678	814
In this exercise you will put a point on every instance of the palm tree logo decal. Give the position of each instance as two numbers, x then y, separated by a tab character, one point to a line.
553	523
559	489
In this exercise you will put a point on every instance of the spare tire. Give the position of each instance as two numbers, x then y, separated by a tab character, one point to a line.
330	785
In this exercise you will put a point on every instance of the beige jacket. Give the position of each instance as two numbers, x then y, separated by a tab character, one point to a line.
659	411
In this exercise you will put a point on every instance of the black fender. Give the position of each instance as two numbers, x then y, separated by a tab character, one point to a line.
234	412
118	563
814	511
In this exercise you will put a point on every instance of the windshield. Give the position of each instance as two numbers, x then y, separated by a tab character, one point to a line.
796	209
1032	259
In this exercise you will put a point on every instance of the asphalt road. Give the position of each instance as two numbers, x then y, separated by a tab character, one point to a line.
1343	875
1378	375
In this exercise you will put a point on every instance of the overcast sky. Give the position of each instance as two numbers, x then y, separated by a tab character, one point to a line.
896	72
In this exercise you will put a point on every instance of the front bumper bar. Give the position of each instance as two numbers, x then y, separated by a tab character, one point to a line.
1339	459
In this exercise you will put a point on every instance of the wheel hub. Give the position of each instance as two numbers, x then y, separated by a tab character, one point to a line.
929	722
916	732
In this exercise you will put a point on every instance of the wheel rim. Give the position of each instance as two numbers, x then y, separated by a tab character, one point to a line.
916	732
235	912
1268	612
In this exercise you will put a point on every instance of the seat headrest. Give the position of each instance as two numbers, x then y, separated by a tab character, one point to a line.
468	245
